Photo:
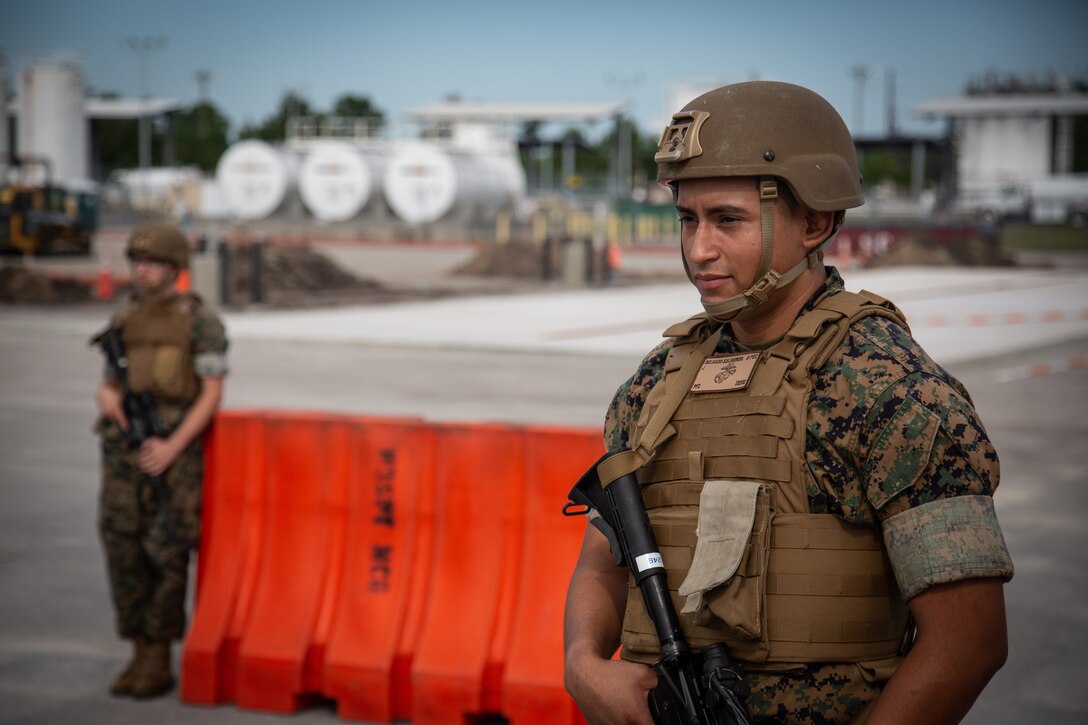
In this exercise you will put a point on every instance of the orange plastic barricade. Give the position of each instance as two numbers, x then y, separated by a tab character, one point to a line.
233	529
387	567
405	569
533	683
287	627
459	659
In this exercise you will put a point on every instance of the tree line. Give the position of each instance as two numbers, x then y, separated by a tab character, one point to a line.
201	133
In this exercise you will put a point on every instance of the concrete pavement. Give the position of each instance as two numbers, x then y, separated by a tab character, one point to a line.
545	356
957	314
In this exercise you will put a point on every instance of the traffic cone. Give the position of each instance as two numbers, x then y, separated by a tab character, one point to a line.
104	288
184	281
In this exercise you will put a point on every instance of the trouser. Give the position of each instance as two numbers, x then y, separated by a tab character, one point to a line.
147	536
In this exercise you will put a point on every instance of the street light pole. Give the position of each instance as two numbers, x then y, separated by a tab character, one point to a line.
143	46
625	83
861	76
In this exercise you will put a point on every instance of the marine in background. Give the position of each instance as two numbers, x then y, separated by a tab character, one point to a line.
150	505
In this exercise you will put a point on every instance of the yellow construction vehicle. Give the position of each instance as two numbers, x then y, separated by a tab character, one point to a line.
44	218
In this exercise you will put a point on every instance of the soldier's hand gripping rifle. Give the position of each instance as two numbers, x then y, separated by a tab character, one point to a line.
702	688
143	417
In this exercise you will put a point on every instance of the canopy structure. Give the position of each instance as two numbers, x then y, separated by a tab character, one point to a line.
1035	104
130	108
506	112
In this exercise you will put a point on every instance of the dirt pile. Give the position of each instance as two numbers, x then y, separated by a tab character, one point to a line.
922	250
26	286
293	276
547	261
514	259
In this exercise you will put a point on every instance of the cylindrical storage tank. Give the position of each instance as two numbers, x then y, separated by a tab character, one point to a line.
52	124
424	184
420	183
334	182
255	178
491	183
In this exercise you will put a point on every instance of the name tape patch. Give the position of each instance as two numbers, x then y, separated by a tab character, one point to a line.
724	373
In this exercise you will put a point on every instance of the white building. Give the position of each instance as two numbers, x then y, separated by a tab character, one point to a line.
1009	140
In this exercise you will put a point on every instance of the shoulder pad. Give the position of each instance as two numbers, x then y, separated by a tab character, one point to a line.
687	327
189	303
120	315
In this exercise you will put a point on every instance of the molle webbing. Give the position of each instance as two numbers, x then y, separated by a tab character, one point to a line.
830	595
739	437
157	339
820	589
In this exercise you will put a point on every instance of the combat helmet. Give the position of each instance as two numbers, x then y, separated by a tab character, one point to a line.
771	131
162	242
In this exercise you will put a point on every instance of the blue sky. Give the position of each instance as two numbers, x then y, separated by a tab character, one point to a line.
404	54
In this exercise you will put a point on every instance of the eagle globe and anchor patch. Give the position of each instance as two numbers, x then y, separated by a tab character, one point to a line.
726	373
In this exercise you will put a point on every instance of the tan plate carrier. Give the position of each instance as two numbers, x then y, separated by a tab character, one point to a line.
809	587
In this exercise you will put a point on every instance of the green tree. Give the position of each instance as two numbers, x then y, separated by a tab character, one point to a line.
200	136
885	166
643	149
116	145
593	161
351	106
274	128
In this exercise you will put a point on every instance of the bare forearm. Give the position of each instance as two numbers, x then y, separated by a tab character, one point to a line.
594	615
595	600
961	644
607	691
924	689
199	416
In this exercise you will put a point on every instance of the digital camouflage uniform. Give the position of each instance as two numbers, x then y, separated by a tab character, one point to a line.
861	428
147	543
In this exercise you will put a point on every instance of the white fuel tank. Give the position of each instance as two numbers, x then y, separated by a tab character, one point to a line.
255	179
426	183
420	184
334	181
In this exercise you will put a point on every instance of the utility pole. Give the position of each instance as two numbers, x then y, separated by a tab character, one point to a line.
203	82
623	167
861	76
143	46
889	101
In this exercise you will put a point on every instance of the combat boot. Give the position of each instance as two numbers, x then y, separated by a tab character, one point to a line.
154	676
122	684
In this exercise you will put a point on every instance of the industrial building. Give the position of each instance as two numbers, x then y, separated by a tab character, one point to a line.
1015	147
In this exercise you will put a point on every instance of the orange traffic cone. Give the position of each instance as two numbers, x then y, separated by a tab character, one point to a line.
184	281
104	288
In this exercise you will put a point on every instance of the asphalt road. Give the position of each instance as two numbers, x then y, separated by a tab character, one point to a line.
57	647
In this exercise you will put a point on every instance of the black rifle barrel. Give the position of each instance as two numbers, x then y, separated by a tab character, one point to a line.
681	697
645	562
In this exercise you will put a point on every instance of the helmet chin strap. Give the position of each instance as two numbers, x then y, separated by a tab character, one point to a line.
767	280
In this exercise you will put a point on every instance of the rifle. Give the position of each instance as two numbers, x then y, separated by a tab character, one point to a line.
143	418
694	688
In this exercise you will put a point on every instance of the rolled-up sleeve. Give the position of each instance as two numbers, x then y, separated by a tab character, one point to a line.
931	472
209	346
945	541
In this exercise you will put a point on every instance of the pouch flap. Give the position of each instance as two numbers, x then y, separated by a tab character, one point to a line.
727	511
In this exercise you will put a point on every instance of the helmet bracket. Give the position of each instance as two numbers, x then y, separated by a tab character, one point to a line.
680	140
